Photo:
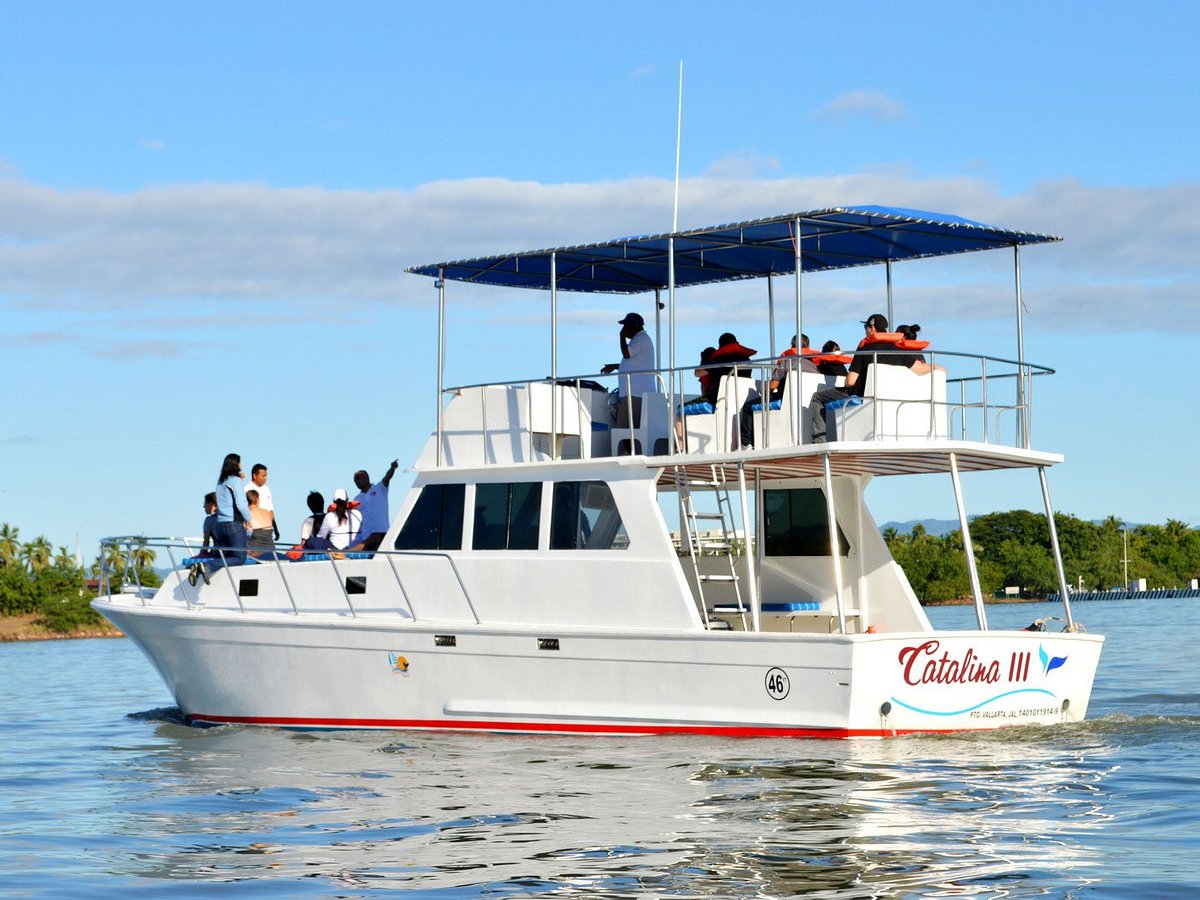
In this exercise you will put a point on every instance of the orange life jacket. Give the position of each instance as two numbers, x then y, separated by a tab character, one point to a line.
895	338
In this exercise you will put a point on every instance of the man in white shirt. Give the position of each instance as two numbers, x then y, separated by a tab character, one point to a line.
635	371
258	482
372	500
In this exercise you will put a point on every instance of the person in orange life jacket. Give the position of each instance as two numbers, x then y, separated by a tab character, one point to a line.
787	363
874	343
728	350
828	364
635	370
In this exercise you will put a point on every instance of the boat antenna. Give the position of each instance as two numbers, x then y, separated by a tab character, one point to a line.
671	249
678	134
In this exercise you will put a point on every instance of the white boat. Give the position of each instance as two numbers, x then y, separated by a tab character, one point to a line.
532	580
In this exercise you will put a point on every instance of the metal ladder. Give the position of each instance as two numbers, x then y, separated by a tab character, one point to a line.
698	545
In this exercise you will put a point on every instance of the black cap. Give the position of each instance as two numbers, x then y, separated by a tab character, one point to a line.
633	319
876	321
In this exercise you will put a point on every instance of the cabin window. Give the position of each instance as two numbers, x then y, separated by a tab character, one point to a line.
585	517
507	516
436	520
797	523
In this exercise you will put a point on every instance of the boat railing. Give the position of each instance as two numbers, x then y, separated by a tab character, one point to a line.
981	398
122	563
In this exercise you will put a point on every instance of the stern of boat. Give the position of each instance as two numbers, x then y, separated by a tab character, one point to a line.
969	681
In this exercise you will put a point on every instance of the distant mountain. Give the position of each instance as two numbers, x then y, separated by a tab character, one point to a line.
935	527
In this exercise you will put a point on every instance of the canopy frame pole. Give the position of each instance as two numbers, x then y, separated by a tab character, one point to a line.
658	328
553	355
441	368
1023	418
771	309
891	315
835	548
751	577
968	547
799	417
1064	592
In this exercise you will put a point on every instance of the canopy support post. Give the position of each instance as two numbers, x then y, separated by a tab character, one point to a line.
968	548
835	549
1023	417
658	328
553	356
799	417
891	319
441	367
1058	563
771	310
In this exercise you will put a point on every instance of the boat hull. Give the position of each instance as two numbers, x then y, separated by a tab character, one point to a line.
343	672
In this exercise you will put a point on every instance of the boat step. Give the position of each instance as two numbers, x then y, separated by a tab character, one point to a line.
713	516
718	578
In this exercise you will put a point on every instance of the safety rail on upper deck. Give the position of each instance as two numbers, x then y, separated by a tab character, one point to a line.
119	571
966	397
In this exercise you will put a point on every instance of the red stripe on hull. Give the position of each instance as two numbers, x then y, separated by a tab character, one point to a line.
557	727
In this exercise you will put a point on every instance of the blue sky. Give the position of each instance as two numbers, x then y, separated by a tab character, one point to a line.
206	210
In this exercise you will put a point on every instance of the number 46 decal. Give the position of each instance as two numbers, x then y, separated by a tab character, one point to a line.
777	683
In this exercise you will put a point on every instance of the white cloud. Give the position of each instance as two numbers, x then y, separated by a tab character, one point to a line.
874	106
1129	256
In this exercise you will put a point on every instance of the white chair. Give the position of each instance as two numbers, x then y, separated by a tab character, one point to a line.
897	403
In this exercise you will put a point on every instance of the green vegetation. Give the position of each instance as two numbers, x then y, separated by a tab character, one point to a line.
1012	549
36	579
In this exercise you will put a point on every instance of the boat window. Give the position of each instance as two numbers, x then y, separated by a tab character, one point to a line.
507	516
436	520
585	517
797	523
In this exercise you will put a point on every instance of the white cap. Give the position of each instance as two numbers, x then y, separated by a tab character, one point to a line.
340	494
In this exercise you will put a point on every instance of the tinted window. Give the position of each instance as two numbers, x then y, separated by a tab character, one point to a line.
584	517
507	516
435	522
797	523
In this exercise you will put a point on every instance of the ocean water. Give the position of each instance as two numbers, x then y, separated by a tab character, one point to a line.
104	793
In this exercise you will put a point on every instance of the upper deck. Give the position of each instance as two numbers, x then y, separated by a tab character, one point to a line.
977	410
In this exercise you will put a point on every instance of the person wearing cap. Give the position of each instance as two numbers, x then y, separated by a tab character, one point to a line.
856	378
635	371
342	523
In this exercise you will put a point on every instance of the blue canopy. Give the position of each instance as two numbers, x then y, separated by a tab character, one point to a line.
831	239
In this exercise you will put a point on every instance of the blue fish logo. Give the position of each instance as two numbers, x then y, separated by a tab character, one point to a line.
1049	663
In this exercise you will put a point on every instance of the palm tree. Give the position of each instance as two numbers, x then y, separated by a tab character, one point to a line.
10	544
141	555
38	553
64	560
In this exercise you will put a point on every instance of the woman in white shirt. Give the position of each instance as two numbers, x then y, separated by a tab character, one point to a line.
343	523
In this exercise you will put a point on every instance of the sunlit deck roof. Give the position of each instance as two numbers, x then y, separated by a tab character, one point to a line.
834	238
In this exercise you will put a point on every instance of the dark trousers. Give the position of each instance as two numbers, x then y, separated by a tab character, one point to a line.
231	542
816	410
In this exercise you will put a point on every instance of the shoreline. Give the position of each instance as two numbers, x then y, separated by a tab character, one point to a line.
29	627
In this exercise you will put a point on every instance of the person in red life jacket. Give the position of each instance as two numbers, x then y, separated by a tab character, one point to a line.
877	347
728	351
787	363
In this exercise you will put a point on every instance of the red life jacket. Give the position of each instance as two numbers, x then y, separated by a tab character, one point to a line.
731	353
